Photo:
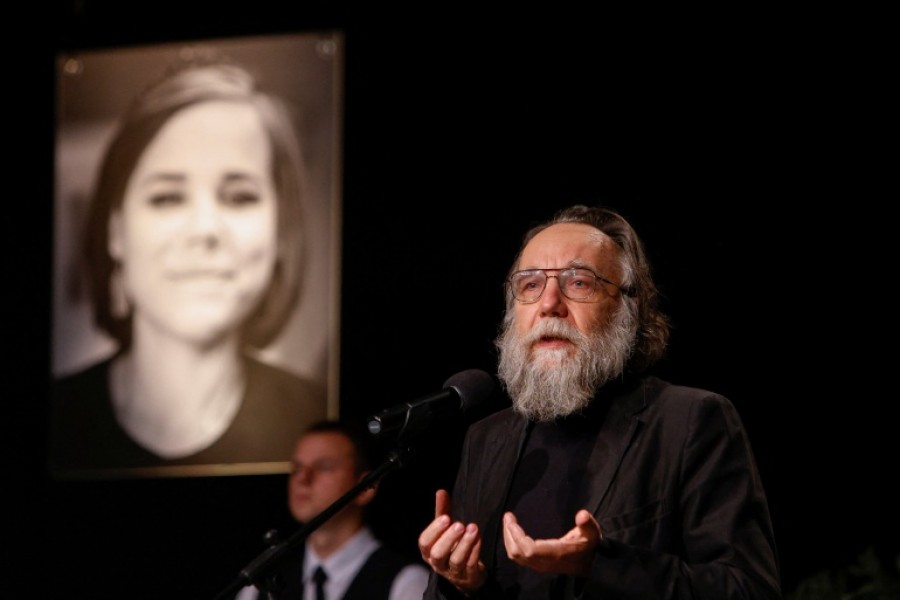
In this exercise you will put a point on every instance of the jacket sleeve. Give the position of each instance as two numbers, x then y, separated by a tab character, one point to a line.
726	545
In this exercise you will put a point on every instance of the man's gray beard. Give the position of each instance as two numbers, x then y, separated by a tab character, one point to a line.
553	384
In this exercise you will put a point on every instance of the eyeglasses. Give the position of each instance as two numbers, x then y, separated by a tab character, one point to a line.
575	284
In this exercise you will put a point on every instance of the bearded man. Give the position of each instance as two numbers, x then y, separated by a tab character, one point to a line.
601	480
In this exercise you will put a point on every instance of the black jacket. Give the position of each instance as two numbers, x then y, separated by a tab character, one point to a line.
673	483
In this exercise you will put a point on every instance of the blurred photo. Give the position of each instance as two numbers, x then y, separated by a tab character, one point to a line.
196	276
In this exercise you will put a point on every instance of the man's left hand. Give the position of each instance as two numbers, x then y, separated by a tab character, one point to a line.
572	554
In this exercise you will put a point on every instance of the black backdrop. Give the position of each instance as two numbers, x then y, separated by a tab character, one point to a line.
744	148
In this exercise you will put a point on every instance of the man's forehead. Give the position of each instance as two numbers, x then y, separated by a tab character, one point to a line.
324	444
567	244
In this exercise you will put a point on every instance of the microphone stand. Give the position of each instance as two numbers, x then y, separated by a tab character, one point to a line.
261	571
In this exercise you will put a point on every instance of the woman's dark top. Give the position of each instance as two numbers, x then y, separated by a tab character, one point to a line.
87	441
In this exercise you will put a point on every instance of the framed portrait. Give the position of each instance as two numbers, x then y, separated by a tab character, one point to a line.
196	266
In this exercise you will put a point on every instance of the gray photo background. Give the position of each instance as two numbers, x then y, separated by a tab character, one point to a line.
94	88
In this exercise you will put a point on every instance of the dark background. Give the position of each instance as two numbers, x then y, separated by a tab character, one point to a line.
749	149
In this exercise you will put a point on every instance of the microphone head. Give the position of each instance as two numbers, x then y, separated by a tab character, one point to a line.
474	386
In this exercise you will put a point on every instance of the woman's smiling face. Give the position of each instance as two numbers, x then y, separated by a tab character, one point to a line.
196	233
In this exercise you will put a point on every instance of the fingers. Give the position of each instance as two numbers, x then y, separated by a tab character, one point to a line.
431	534
451	549
441	503
465	553
586	527
463	567
518	543
571	554
443	548
435	532
454	553
475	554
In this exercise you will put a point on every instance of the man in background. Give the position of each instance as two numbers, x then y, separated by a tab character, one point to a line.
342	556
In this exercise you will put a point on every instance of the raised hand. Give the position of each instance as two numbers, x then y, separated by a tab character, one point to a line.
451	549
572	554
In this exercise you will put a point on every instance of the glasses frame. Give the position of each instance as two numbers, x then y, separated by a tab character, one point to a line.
622	290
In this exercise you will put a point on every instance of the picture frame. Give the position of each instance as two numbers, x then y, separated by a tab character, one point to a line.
94	88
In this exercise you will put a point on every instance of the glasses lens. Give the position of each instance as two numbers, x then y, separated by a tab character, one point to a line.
577	284
527	286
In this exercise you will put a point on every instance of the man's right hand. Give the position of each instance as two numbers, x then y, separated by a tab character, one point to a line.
452	549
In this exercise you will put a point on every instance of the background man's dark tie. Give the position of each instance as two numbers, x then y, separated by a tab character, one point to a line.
319	577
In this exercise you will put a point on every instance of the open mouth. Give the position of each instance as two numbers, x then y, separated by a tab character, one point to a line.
552	341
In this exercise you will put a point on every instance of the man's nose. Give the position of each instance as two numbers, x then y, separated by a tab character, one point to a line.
303	475
553	302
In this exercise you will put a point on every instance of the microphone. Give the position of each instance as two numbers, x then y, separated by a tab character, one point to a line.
460	393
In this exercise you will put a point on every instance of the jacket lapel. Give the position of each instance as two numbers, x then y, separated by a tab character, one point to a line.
502	453
617	432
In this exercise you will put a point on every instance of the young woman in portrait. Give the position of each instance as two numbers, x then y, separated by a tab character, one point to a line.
195	251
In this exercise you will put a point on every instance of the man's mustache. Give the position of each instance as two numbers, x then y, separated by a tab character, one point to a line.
553	328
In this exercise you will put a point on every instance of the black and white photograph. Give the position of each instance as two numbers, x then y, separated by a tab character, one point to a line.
195	266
